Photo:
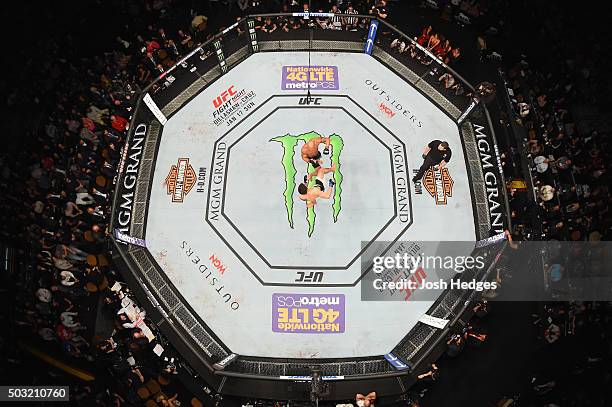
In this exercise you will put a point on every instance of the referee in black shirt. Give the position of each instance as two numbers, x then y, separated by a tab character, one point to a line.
436	152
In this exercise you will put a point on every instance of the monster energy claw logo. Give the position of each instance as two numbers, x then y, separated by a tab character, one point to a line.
289	143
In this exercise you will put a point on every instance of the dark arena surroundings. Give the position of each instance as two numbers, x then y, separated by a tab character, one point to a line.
349	203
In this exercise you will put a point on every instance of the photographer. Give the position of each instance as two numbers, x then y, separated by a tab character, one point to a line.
379	10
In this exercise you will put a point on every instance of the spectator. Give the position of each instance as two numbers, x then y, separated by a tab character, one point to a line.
269	26
350	23
336	20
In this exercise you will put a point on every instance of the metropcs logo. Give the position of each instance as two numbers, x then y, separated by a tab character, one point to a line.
439	184
180	180
289	143
222	98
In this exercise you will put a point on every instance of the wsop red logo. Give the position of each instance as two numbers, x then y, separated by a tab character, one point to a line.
439	184
180	180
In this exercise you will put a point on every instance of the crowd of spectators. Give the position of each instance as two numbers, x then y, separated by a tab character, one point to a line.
62	197
59	207
574	362
428	45
570	166
344	20
435	43
159	48
563	194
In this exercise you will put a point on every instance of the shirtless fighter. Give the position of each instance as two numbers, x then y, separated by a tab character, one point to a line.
310	195
311	153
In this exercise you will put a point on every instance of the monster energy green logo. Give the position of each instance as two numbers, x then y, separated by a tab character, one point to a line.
289	144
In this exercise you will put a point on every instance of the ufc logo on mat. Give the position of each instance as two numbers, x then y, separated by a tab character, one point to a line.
222	98
310	101
310	277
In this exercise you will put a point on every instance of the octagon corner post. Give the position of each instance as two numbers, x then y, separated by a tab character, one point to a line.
220	56
253	44
371	40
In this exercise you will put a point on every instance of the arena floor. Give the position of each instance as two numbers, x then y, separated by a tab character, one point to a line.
226	225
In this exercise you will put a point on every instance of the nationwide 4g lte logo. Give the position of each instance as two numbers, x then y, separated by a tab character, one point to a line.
439	184
308	313
310	77
180	180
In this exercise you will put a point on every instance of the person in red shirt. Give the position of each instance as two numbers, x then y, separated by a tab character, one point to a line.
152	46
47	163
422	40
442	49
88	123
63	333
119	123
424	37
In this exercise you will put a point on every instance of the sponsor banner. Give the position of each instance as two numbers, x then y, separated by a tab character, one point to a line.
396	362
309	378
154	109
386	110
439	184
307	15
500	237
308	313
124	153
300	77
211	269
180	180
217	182
125	238
439	323
491	170
127	182
289	143
402	194
232	105
389	105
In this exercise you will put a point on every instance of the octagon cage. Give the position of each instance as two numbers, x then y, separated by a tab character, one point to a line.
210	362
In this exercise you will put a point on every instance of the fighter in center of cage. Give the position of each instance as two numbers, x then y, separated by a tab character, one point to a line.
310	150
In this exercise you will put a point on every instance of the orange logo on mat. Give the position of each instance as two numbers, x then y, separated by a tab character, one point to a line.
180	180
439	184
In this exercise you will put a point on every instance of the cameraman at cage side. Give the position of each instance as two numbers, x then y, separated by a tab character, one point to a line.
379	10
436	152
